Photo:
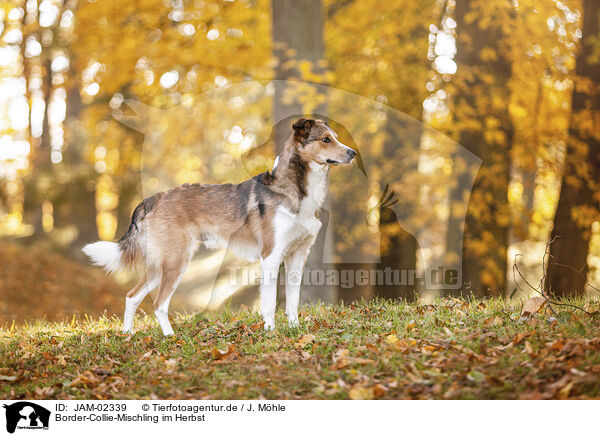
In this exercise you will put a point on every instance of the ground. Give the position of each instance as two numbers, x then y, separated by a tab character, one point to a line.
38	282
452	348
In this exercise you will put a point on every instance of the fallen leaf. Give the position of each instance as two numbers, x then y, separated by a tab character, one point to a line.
428	349
306	339
572	348
476	376
8	377
533	305
304	355
452	391
283	356
379	390
101	372
566	391
341	353
360	361
495	321
391	339
520	336
556	345
361	393
87	379
43	392
578	373
529	349
340	363
222	354
372	348
171	364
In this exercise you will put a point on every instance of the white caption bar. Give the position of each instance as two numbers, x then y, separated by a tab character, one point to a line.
23	417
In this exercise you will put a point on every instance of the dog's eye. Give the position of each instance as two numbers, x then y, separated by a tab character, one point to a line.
326	140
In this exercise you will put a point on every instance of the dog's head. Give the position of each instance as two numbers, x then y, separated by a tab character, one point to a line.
317	142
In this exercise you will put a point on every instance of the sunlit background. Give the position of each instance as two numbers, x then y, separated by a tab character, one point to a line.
72	152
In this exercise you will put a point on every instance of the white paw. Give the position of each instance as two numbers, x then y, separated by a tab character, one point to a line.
293	321
270	325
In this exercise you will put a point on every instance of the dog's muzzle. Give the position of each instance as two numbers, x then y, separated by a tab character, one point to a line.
349	156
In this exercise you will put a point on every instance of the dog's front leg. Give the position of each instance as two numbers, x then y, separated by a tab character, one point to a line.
268	288
294	268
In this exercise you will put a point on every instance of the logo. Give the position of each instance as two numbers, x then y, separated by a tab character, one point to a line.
26	415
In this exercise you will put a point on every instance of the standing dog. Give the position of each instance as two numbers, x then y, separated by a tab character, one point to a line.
272	216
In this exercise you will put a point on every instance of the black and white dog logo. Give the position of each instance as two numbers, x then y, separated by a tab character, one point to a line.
26	415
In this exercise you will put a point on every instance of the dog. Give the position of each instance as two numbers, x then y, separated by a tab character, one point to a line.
272	217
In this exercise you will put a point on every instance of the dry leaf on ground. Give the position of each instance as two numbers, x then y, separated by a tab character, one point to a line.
533	305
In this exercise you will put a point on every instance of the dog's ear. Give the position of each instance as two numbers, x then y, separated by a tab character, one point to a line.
302	129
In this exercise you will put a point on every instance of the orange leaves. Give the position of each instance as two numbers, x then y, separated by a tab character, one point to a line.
488	351
224	354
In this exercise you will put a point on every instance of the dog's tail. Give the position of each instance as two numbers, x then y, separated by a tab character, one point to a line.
114	256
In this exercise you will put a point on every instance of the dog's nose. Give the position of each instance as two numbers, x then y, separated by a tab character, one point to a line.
351	153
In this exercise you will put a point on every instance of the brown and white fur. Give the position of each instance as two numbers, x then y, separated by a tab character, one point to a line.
272	216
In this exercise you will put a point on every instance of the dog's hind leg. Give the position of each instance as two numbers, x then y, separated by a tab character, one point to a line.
172	273
137	295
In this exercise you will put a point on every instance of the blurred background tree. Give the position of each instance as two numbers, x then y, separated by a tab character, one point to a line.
514	83
578	204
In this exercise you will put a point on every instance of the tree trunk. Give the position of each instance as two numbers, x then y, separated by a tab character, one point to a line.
40	157
398	247
128	199
485	129
76	204
577	208
298	37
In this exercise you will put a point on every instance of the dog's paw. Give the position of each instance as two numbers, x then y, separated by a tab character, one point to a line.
293	322
269	325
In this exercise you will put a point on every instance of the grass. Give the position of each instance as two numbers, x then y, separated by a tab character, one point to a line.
465	349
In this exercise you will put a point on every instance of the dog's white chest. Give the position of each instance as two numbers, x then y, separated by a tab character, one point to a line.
316	191
294	229
304	223
290	226
293	232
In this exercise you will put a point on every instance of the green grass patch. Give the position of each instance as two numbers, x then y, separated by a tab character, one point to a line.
480	349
